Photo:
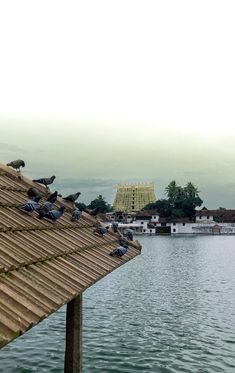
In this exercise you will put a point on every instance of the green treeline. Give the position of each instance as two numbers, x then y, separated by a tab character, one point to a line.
179	202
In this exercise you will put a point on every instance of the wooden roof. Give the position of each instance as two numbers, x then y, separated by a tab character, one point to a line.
44	265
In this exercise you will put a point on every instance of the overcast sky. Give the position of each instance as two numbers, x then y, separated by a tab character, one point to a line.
122	90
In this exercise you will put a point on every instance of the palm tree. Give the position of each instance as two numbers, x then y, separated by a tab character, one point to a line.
171	190
191	190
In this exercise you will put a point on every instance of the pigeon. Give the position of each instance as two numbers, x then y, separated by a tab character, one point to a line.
31	205
45	181
123	241
76	215
32	192
44	209
72	197
115	226
52	197
16	164
93	212
54	214
119	251
101	231
129	235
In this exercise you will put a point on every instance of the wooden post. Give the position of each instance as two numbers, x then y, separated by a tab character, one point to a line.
73	351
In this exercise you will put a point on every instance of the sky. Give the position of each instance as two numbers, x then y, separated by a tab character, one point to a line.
120	91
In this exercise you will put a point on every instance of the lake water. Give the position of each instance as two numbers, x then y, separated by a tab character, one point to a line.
172	309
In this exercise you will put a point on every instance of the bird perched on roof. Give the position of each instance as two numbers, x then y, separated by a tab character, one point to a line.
101	231
16	164
31	205
46	207
119	251
129	235
54	214
45	180
52	197
115	226
123	241
76	215
32	192
93	212
72	197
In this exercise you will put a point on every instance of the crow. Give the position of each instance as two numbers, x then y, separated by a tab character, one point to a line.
31	205
16	164
54	214
119	251
76	215
45	180
72	197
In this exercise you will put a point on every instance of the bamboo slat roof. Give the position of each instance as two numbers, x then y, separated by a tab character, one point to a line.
44	265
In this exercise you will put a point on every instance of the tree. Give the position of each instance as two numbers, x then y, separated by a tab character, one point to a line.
80	205
181	201
101	204
171	190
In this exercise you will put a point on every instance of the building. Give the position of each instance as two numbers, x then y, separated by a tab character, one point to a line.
133	197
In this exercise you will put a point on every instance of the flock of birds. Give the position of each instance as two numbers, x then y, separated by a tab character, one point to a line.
47	210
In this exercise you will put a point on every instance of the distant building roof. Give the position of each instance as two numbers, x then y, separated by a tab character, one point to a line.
144	214
44	265
223	214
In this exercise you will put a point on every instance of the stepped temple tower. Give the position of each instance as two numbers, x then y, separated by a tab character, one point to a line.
133	197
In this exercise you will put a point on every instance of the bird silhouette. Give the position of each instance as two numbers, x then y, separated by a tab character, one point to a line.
119	251
76	215
101	231
31	205
32	192
45	180
52	197
54	214
16	164
72	197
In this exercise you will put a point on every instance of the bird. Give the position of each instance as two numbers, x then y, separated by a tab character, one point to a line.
31	205
123	241
101	231
32	192
76	215
45	180
54	214
52	197
72	197
115	226
119	251
93	212
129	235
44	209
16	164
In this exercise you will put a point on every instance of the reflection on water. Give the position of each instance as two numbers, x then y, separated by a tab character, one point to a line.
172	309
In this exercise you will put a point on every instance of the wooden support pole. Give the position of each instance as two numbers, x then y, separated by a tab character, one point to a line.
73	351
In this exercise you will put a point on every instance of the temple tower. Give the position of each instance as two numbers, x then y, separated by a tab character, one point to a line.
133	197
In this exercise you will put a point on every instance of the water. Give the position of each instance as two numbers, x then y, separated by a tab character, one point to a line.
172	309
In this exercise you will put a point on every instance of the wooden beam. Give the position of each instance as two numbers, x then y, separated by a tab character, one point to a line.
73	351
